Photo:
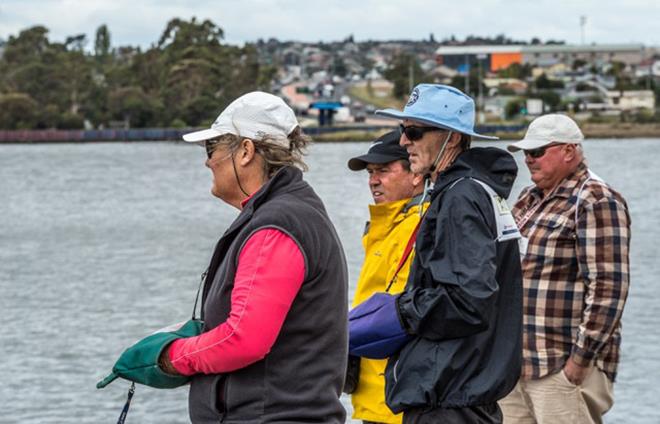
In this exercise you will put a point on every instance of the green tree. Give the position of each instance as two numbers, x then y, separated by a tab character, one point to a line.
30	44
70	121
514	108
404	66
578	63
180	36
550	99
542	82
516	70
102	43
17	111
131	105
339	67
459	82
199	70
76	42
186	77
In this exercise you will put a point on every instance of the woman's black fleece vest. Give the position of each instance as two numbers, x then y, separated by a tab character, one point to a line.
300	379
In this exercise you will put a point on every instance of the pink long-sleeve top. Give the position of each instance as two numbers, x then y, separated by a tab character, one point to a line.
269	275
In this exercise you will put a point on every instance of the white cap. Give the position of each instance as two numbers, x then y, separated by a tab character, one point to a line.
254	115
548	129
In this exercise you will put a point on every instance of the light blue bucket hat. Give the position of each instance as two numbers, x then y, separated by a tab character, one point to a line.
440	106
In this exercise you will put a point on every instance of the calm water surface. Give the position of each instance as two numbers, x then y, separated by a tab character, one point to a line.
102	243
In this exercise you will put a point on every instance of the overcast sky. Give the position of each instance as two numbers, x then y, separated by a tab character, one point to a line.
140	22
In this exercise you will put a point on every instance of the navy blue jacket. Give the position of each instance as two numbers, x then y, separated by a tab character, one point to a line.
463	299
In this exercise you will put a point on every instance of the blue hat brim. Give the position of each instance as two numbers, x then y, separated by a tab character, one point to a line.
397	114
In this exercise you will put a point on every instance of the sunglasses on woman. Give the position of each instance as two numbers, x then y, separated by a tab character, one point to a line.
414	133
539	152
210	147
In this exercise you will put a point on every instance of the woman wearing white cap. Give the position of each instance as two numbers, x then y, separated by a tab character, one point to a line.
275	297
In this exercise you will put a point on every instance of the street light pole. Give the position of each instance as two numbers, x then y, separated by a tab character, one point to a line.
480	98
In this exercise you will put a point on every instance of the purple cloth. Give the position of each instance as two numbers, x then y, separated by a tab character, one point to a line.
375	330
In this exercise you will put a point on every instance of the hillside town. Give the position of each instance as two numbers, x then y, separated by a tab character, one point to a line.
86	83
346	81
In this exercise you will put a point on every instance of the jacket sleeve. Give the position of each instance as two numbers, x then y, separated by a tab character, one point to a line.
270	272
459	272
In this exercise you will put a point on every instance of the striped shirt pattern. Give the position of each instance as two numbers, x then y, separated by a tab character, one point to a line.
575	274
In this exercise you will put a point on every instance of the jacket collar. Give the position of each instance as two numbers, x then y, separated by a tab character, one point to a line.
390	213
491	165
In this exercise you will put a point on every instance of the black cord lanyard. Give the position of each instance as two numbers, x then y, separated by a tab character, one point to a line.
124	412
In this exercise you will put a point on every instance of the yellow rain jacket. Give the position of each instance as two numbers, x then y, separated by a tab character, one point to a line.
386	236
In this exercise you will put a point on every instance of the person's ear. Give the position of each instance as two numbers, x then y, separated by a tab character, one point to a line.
455	139
417	180
569	152
246	152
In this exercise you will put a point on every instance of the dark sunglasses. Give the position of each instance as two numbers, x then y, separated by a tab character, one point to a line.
414	133
538	153
210	147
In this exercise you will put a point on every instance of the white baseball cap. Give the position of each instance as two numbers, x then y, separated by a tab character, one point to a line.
254	115
548	129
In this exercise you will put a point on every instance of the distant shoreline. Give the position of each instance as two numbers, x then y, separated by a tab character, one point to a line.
318	134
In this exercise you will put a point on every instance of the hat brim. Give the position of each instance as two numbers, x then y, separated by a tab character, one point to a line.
202	135
528	144
397	114
360	162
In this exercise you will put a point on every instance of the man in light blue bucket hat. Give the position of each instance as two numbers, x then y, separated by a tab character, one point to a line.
462	302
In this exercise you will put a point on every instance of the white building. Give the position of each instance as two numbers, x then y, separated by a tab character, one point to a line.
494	58
631	100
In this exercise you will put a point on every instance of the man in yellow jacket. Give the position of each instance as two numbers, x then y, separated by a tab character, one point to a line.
397	193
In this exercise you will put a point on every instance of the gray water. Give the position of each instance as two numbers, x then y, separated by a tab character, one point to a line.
102	243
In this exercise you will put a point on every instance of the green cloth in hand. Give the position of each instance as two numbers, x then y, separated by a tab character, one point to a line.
139	363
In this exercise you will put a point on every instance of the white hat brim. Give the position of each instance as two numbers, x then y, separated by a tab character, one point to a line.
202	135
528	144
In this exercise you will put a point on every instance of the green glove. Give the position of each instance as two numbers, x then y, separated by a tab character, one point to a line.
139	363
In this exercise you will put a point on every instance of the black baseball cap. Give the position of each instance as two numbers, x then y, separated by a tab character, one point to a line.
384	150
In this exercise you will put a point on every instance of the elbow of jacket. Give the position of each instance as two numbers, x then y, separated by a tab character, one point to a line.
478	322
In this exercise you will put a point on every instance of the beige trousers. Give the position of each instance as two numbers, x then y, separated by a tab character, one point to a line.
555	400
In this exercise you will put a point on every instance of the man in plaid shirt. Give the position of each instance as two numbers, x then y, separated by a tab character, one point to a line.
576	237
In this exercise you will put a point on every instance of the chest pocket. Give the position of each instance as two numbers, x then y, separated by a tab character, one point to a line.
553	236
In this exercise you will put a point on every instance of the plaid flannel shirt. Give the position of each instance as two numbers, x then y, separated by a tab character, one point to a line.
575	274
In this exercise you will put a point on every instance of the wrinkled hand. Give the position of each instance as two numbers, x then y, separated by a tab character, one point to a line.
575	373
165	364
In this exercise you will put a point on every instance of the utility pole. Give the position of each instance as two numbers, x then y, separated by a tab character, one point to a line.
480	97
467	75
583	22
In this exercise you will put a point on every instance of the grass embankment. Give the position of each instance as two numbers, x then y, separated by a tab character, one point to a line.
374	97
